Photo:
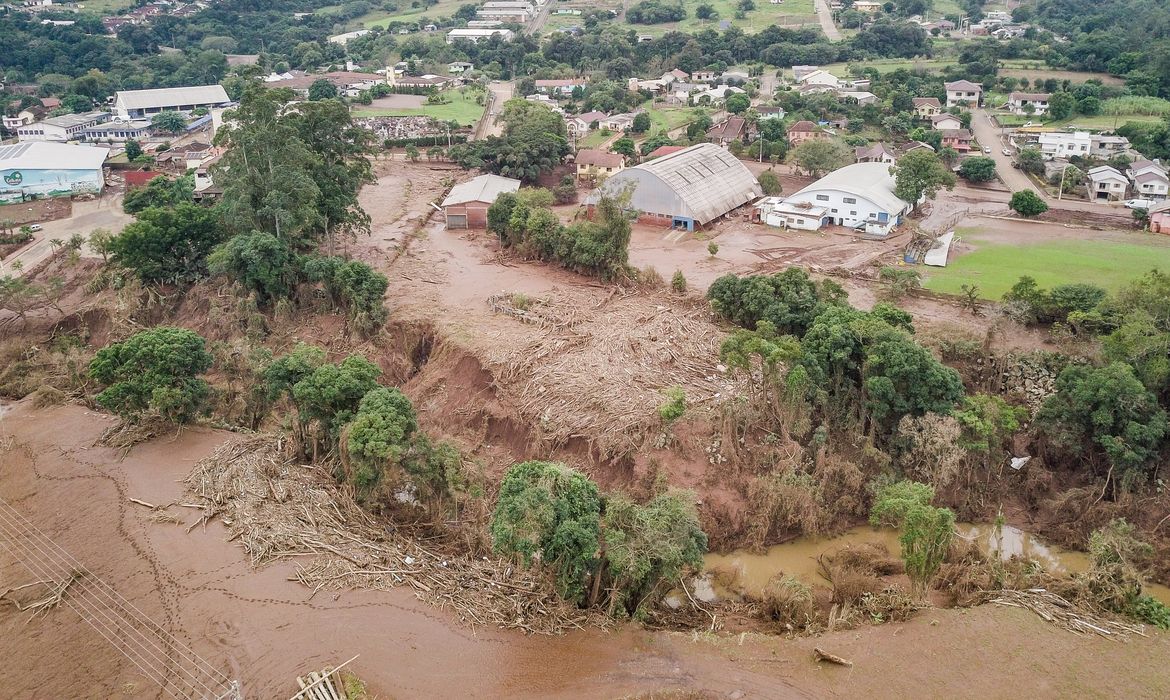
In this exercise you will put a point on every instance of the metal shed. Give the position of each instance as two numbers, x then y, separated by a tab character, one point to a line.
685	189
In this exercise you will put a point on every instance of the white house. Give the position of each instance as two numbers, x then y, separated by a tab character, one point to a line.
858	196
1065	144
1020	102
1149	180
343	39
963	93
860	97
942	122
475	35
717	94
618	122
1106	147
143	103
1106	183
820	77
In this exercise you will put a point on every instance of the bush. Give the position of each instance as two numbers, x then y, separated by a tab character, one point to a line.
788	601
678	282
169	246
355	286
379	434
977	169
155	370
1027	203
675	406
770	183
894	501
713	248
655	12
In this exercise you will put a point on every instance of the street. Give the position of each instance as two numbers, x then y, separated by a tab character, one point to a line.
104	212
825	16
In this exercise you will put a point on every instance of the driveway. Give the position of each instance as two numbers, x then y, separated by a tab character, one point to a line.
104	212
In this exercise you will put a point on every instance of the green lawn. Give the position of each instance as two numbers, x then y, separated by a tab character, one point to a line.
595	138
886	65
788	13
462	108
996	267
668	118
379	18
105	7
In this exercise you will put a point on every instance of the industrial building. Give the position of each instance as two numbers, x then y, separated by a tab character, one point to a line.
467	205
475	35
67	127
859	196
141	103
39	169
686	190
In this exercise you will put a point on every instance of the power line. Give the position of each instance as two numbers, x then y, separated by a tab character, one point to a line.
154	651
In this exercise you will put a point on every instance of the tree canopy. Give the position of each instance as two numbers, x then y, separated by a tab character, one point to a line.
155	370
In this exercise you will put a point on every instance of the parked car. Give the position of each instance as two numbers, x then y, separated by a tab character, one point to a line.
1007	151
987	149
1139	203
34	227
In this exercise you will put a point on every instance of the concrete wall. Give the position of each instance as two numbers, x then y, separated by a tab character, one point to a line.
48	183
476	213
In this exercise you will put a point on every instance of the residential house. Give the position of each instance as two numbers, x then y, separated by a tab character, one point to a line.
820	77
1065	144
859	97
859	196
676	75
770	113
353	86
964	93
26	116
731	129
595	166
926	107
703	76
618	122
1106	147
467	204
680	93
717	95
958	139
476	35
945	121
874	153
560	87
804	130
1149	179
1160	218
343	39
1105	183
664	151
914	146
869	7
1028	103
459	67
580	125
799	72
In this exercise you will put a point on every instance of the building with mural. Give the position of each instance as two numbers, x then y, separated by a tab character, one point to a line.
40	169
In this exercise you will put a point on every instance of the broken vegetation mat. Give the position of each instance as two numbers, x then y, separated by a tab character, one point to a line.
278	509
1055	609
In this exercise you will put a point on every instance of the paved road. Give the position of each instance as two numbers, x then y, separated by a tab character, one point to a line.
538	21
500	92
988	134
825	16
105	212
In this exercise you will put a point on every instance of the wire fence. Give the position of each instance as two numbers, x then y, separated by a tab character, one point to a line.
156	653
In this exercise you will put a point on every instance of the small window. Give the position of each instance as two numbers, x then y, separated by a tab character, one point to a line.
853	213
834	211
822	197
850	200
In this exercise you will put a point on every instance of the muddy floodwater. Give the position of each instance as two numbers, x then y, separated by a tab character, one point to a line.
799	557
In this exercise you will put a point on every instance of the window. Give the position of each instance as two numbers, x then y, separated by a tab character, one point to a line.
850	200
853	213
822	197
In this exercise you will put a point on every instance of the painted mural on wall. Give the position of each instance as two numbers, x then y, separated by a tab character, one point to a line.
15	184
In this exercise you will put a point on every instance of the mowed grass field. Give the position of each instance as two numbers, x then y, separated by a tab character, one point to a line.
463	108
995	267
790	13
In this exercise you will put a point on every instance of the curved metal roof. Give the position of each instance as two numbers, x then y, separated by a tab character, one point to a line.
702	182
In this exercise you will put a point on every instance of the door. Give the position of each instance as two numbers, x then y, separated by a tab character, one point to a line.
457	221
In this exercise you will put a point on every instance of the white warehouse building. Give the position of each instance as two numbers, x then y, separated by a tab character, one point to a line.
858	196
142	103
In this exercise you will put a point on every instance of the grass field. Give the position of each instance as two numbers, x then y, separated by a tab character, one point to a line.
379	18
996	267
886	65
669	118
462	108
594	138
789	13
105	7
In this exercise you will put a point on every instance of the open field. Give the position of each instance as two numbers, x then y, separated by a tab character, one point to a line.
380	18
887	65
790	13
669	118
595	138
995	265
106	7
462	108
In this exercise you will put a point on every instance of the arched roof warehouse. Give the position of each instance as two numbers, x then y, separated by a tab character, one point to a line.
701	183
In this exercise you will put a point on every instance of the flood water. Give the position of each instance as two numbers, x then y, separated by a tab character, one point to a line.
798	558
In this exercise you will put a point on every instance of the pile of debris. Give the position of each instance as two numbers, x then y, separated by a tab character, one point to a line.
276	508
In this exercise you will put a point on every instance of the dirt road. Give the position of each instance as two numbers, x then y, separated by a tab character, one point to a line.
489	125
825	17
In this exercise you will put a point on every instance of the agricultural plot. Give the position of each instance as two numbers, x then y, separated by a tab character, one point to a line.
995	266
789	13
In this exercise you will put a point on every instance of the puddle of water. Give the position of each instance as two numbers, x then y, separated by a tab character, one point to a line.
798	558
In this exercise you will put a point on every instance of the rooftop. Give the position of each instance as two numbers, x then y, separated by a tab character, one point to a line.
870	180
604	159
171	97
963	85
68	121
484	188
39	155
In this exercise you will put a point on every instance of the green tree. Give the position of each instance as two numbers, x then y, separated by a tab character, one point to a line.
1027	203
789	300
260	262
322	89
169	246
154	370
331	394
926	537
625	146
894	501
738	103
641	123
817	157
549	515
169	122
977	169
1106	415
919	173
1061	105
648	548
1030	160
412	152
133	150
353	285
160	191
379	434
770	183
706	11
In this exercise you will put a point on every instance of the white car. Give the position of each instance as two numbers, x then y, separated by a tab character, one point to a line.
987	149
34	228
1139	203
1007	151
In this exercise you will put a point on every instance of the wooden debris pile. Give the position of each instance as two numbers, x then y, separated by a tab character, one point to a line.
598	372
277	509
1055	609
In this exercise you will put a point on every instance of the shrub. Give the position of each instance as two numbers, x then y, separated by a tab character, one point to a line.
770	183
1027	203
894	501
788	601
678	282
713	248
675	406
155	370
379	434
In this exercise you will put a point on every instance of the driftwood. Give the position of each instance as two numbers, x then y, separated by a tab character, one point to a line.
1052	608
822	655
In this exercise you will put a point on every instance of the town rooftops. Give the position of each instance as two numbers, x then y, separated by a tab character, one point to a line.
484	188
664	151
39	155
926	102
170	97
595	157
964	86
803	126
590	117
870	180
